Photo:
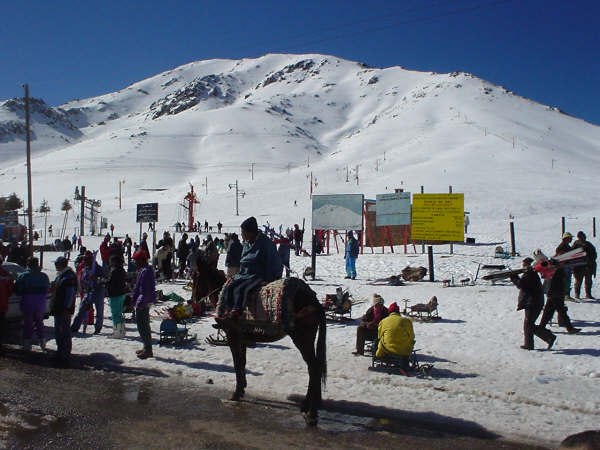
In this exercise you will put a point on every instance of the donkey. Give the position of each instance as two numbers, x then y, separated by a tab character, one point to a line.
308	324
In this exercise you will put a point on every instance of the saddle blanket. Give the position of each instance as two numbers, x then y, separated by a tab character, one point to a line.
270	308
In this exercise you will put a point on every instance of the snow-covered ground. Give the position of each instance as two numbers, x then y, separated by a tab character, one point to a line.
277	122
480	374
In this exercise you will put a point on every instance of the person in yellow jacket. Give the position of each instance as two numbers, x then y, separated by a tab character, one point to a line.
395	334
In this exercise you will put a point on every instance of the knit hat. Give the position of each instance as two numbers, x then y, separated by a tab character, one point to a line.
377	299
250	225
581	235
393	308
140	254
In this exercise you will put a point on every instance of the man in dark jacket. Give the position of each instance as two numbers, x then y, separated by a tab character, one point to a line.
586	272
65	290
555	301
531	299
260	263
234	254
367	329
298	235
352	250
183	250
564	247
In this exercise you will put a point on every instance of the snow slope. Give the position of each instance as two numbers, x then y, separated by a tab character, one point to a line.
272	121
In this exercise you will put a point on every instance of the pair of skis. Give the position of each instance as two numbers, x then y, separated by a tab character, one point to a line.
572	258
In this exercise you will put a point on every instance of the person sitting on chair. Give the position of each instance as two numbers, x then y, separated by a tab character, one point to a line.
395	335
337	302
367	329
260	263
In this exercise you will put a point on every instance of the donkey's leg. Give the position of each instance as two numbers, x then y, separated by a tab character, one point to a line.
304	339
239	364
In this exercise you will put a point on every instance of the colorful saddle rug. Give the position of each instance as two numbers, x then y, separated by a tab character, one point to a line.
270	308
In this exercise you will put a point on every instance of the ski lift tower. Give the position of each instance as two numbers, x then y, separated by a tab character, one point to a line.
190	199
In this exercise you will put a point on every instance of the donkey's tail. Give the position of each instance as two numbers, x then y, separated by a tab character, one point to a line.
322	343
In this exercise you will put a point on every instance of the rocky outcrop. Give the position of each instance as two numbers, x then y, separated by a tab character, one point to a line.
216	87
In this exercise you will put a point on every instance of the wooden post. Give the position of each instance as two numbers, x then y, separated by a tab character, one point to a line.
328	242
423	242
153	240
452	245
564	225
140	239
313	255
512	239
335	233
430	254
382	240
405	236
389	234
593	226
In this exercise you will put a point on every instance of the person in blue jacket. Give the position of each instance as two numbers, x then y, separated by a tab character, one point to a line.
260	263
352	249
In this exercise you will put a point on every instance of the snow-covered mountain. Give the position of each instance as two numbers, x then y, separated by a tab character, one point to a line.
279	117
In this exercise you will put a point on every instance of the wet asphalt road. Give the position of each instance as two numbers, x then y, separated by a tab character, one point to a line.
99	403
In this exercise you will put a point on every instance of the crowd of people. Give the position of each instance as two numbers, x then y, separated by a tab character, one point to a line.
260	259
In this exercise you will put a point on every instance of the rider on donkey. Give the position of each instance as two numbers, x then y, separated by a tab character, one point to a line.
260	263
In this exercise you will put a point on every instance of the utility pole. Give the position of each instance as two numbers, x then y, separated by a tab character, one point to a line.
357	174
252	170
347	174
376	165
205	184
308	159
29	193
121	183
81	197
237	193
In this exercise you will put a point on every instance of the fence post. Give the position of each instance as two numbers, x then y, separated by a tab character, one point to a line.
313	254
430	254
564	225
423	242
593	226
512	239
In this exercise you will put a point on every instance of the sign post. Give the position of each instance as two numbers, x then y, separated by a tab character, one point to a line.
147	213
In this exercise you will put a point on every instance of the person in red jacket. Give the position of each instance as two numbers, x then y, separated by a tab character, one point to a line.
105	252
7	284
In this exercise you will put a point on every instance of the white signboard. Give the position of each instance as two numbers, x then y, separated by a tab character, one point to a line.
337	212
392	209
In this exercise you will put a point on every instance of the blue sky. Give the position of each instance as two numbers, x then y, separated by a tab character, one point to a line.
548	51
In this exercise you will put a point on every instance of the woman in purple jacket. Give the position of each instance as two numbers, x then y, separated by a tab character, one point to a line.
144	294
33	285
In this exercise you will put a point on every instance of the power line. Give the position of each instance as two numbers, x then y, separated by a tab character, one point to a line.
387	27
353	23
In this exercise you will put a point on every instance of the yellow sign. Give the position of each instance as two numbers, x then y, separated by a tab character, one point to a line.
438	217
